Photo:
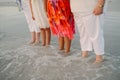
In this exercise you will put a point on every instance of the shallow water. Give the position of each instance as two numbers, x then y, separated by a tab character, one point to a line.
20	61
28	62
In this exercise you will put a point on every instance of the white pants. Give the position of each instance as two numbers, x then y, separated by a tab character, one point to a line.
31	23
90	28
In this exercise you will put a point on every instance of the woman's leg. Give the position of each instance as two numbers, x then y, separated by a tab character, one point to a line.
48	36
32	38
37	40
97	37
67	44
61	43
43	36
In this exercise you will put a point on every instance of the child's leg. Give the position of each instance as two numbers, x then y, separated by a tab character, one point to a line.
48	36
61	43
43	36
37	32
37	40
67	44
32	38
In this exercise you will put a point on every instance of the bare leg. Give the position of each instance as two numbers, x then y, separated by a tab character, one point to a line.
61	43
67	44
43	36
99	59
37	40
84	54
48	36
32	38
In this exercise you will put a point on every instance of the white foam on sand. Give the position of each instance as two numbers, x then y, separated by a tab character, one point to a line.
46	63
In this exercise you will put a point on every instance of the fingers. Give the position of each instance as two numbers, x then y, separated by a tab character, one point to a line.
98	11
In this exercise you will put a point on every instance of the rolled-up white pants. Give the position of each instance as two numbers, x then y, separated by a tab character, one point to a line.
90	28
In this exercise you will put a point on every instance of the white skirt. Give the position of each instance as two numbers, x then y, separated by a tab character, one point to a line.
31	24
39	13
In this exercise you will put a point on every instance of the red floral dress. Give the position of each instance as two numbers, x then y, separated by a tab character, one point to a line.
61	18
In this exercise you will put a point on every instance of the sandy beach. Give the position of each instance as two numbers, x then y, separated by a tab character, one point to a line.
21	61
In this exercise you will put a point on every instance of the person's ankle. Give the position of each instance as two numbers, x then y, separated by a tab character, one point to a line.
85	54
99	59
67	51
43	44
47	44
61	48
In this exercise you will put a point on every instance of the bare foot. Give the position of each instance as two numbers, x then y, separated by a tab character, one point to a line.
61	48
66	54
43	44
67	51
31	42
84	54
99	59
36	43
47	44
